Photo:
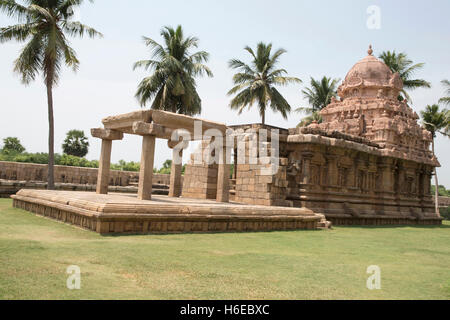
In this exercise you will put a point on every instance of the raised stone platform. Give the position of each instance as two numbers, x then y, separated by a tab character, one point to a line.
123	213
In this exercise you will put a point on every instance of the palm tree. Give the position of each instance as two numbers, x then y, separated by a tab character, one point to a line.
435	120
45	26
319	95
446	100
172	85
399	62
306	121
256	83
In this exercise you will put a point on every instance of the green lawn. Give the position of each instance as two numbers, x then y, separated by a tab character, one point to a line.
35	252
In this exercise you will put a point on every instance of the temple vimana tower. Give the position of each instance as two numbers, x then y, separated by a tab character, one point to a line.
368	162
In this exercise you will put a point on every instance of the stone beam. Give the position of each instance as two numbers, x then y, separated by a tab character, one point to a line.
126	120
151	129
179	121
106	134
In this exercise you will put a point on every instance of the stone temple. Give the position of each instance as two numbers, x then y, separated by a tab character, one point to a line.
368	163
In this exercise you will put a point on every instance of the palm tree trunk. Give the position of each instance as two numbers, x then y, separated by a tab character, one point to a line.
51	140
436	191
263	116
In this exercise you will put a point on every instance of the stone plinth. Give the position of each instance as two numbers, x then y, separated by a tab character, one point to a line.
126	214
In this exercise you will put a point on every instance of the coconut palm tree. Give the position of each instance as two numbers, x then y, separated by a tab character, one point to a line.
44	25
399	62
255	83
434	120
306	121
319	95
446	100
172	84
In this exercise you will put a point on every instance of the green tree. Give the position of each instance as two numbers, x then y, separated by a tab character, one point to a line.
76	144
44	25
434	120
319	95
399	62
255	83
172	84
166	167
12	145
446	99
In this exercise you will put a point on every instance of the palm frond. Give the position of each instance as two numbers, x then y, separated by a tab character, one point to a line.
18	32
29	62
399	62
14	9
74	28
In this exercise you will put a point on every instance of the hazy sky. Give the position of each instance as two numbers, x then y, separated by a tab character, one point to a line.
321	37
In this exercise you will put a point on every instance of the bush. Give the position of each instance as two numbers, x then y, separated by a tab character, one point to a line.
73	161
445	213
126	166
441	190
39	158
68	160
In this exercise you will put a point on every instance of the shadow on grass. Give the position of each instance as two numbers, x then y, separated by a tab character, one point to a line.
443	226
203	233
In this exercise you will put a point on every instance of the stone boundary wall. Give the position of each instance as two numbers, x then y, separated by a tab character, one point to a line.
18	171
443	201
9	188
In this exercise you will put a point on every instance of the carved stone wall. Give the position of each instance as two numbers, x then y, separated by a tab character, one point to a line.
349	182
344	183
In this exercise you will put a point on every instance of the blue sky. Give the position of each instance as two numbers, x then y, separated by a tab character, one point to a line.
321	37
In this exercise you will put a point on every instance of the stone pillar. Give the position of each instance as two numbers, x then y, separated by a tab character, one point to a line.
175	174
107	137
332	169
146	170
223	177
428	172
104	167
306	170
235	163
386	175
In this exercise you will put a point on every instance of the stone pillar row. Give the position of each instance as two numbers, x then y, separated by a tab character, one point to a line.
147	163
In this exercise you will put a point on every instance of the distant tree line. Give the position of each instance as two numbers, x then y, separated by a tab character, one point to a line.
13	150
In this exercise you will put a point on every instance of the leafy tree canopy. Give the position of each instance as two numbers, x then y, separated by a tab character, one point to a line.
12	145
76	143
399	62
172	85
255	82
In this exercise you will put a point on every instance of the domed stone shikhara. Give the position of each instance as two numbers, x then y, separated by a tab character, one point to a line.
369	107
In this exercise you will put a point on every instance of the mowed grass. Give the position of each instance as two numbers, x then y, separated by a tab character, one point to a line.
35	253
